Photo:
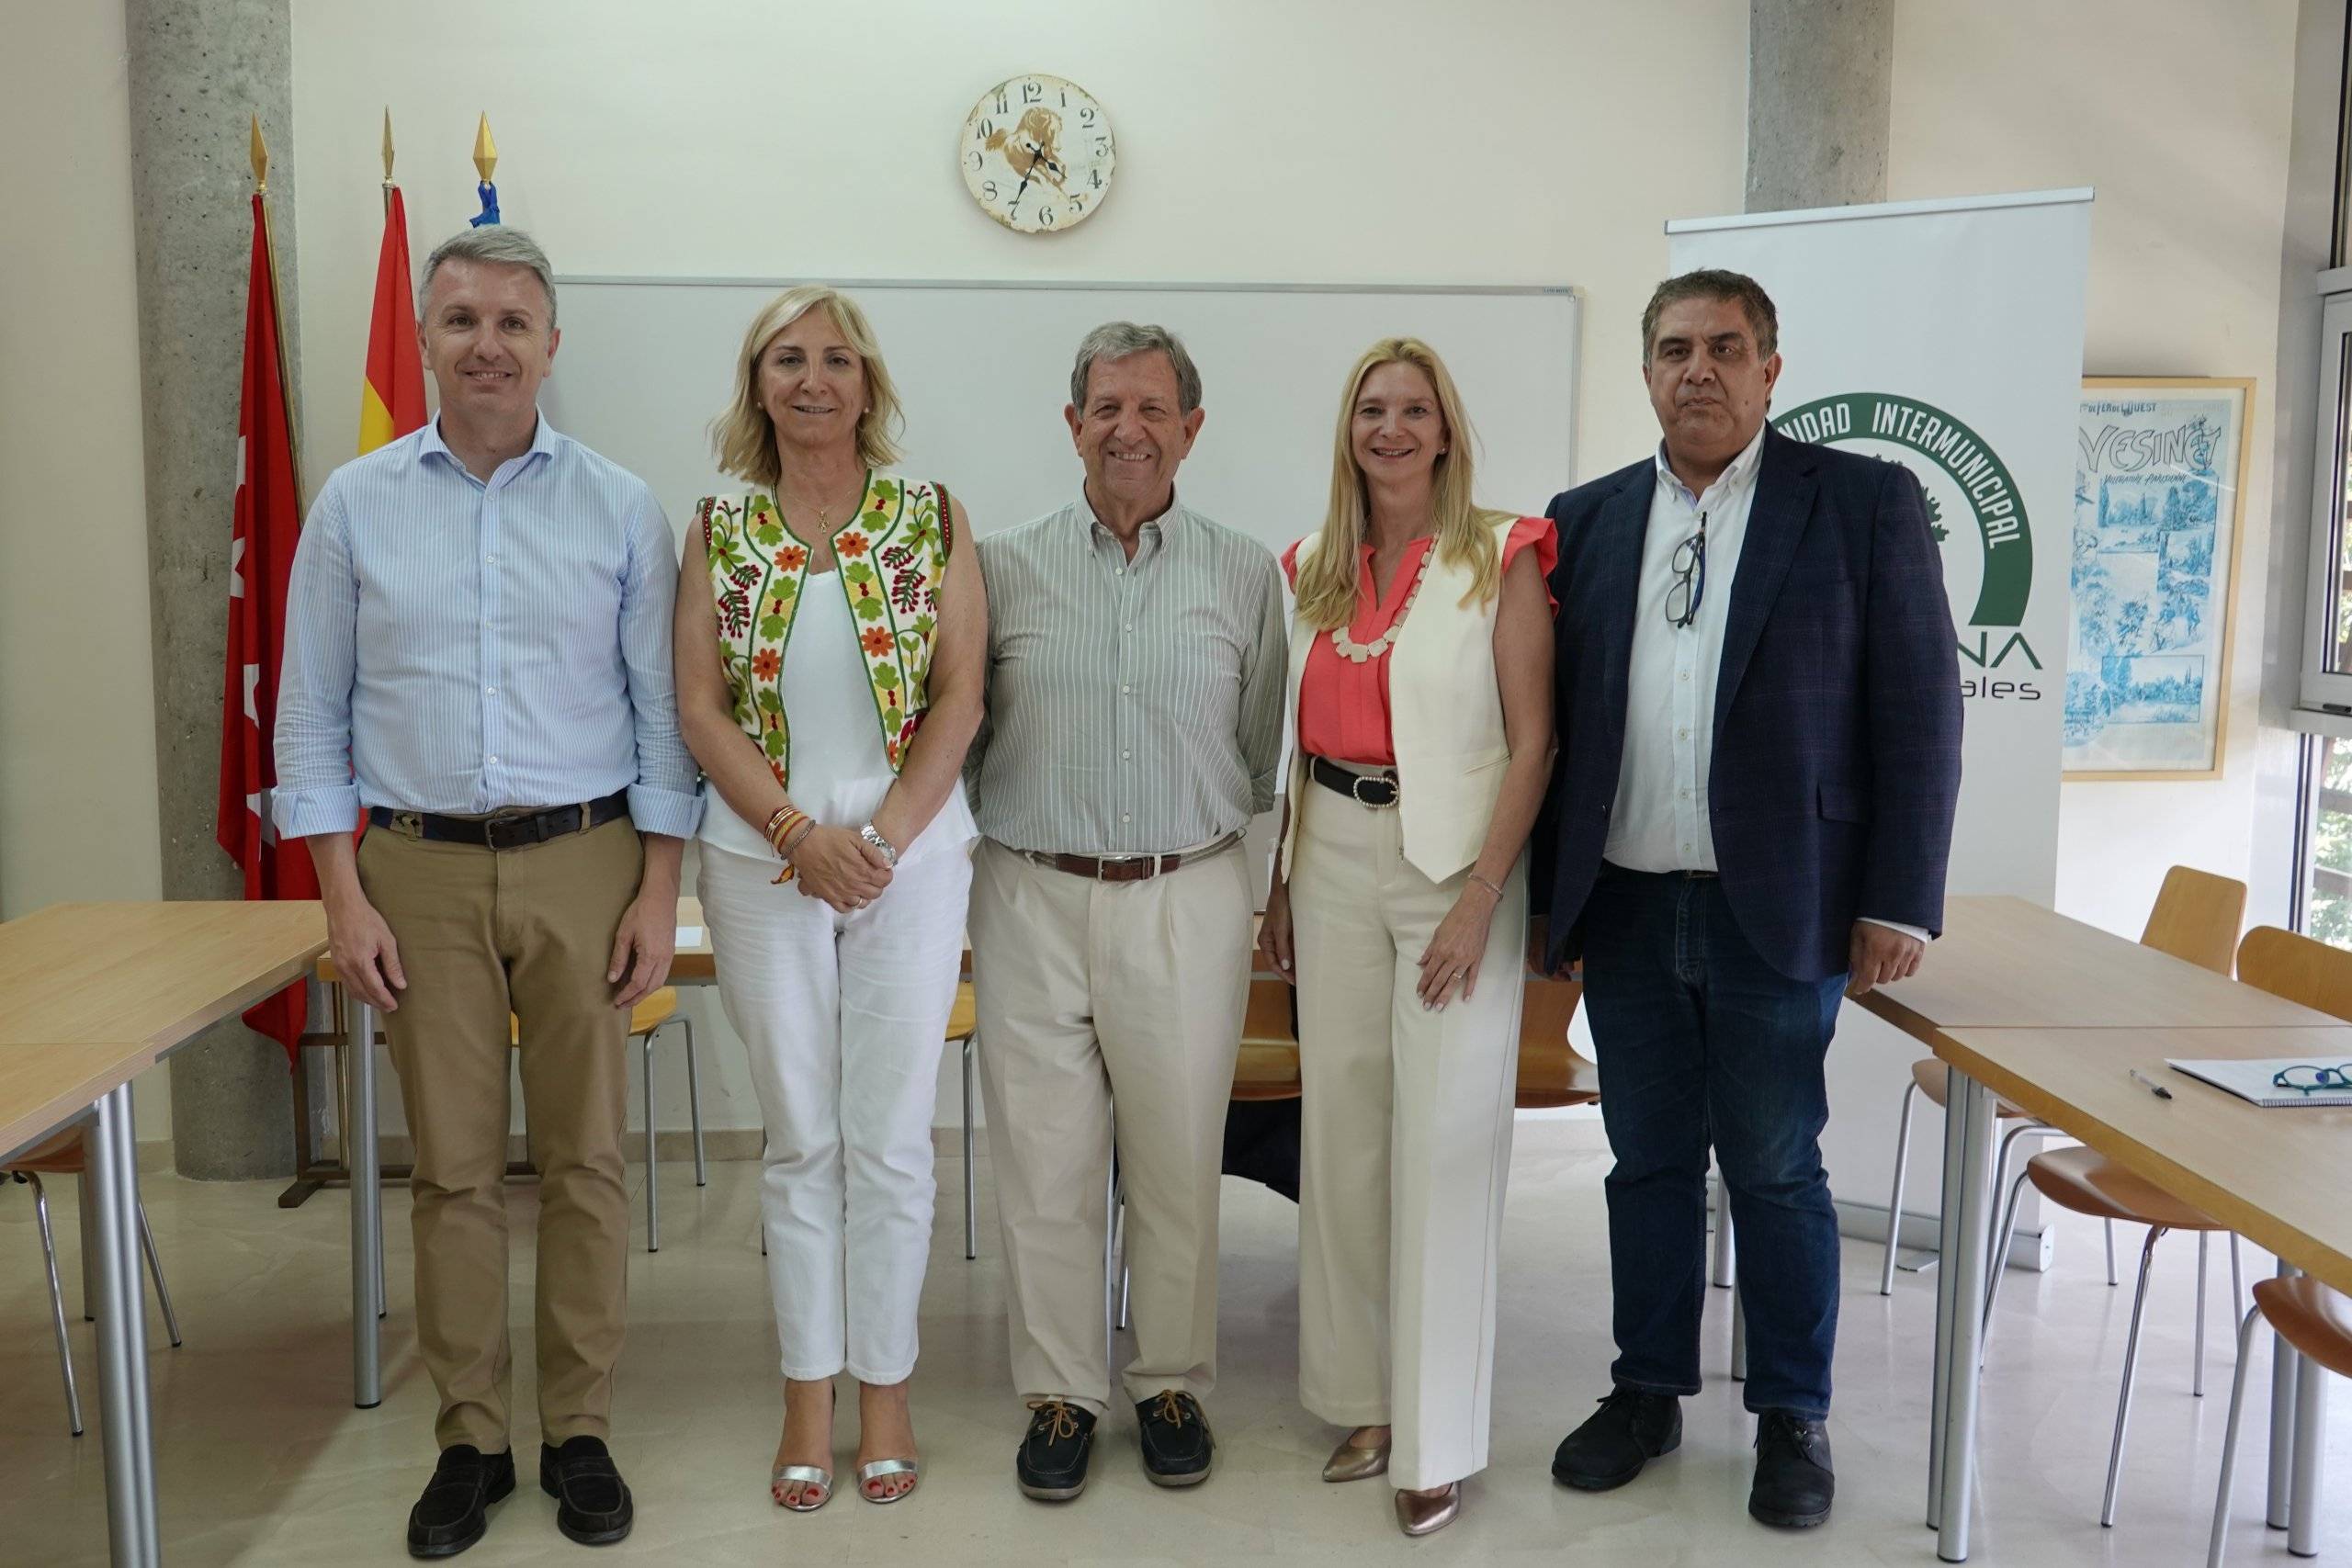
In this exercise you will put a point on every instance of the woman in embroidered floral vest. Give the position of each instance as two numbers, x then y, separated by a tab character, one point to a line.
832	646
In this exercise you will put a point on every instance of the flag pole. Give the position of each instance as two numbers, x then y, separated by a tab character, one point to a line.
485	165
388	158
276	300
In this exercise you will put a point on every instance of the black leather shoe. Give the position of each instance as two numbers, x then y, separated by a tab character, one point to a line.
1177	1446
1793	1481
1630	1429
455	1509
592	1501
1051	1466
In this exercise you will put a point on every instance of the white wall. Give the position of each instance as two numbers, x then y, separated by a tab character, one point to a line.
1322	141
77	718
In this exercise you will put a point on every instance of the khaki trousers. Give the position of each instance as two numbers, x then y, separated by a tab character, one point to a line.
1405	1143
1095	996
483	933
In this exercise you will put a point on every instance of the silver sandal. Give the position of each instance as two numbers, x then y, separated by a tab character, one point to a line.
882	1470
805	1476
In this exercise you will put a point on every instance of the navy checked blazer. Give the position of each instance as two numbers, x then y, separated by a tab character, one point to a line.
1837	710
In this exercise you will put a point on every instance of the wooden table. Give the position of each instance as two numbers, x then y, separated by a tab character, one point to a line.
92	995
2051	1015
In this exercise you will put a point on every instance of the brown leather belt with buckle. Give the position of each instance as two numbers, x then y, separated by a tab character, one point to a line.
1377	791
512	829
1128	868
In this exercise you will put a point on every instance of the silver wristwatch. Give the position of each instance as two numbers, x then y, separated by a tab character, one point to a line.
889	850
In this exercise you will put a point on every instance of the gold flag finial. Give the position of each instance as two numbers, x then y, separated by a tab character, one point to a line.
261	158
387	144
485	150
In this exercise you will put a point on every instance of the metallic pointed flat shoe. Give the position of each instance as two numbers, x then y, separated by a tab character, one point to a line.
806	1476
1417	1515
882	1470
1348	1462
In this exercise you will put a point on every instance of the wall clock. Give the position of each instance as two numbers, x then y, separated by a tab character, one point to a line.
1036	153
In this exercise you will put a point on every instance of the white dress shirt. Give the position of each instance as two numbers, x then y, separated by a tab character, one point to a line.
1660	821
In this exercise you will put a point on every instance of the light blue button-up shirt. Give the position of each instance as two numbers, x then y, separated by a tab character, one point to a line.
454	645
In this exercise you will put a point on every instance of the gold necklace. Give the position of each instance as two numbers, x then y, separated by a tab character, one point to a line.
825	514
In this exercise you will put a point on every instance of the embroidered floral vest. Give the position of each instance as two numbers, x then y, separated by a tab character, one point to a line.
891	554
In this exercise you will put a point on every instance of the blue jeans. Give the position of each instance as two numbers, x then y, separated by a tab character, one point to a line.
1701	1040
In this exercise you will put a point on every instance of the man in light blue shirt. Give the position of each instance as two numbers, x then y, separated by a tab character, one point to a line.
478	658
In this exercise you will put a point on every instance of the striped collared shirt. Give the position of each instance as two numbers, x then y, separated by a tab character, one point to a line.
1134	707
454	645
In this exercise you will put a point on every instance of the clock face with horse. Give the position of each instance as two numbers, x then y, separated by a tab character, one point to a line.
1036	153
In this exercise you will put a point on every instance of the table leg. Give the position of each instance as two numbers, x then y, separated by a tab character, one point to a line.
366	1212
122	1336
1946	1302
2283	1364
1970	1107
2309	1446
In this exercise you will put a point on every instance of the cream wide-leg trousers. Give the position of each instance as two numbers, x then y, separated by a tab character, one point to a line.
843	1016
1404	1147
1093	995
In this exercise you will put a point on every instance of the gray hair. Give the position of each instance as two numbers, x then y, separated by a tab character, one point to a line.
496	243
1117	340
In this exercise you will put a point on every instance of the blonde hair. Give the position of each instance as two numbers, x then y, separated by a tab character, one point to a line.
744	436
1465	531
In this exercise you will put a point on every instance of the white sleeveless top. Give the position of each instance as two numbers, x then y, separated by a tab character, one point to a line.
839	771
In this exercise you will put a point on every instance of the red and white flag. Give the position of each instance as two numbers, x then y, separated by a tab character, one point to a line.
261	559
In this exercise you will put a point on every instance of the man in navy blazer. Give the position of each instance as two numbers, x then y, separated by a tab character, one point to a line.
1759	723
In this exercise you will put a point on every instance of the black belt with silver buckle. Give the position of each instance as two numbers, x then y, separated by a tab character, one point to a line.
512	829
1378	791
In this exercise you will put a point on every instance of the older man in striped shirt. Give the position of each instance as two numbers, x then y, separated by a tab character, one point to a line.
477	657
1136	658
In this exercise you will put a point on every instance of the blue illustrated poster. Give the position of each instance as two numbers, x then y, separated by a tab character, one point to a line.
2155	536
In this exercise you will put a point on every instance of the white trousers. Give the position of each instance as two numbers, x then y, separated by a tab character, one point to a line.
844	1017
1095	996
1405	1143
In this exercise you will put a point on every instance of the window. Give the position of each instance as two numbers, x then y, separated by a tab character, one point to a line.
2327	667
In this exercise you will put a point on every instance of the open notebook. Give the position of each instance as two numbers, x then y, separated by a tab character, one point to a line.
2250	1080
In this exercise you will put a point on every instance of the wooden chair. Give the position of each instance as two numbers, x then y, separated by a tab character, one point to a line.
67	1155
2308	1315
2195	919
1551	1074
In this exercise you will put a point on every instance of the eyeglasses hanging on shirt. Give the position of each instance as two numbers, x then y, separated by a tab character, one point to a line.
1690	579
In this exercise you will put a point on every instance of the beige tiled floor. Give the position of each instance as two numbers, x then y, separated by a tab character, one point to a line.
264	1461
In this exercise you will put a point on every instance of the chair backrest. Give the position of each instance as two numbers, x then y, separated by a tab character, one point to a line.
2196	917
1266	1066
1551	1074
2297	968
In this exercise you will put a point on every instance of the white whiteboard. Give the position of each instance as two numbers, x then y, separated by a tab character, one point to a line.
983	370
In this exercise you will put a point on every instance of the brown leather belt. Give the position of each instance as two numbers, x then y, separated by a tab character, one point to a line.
1128	868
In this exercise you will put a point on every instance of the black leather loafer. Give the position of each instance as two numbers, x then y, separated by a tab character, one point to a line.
1176	1447
592	1501
1794	1482
1051	1466
1630	1429
454	1512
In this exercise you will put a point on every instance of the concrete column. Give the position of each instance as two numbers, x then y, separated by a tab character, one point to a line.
198	69
1820	87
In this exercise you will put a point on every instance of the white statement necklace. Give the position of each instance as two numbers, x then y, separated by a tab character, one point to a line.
1357	652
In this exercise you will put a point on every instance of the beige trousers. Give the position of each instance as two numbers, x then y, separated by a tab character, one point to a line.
483	933
1095	996
1405	1143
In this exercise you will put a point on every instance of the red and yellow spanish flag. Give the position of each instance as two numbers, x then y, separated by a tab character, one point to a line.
391	403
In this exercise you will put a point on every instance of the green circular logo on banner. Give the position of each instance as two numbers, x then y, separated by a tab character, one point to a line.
1962	472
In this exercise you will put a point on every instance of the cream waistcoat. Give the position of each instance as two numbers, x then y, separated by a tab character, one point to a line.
1445	717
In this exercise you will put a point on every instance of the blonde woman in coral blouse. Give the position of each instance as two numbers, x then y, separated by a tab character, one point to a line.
1421	668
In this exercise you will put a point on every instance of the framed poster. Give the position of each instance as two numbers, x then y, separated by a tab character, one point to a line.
2158	504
